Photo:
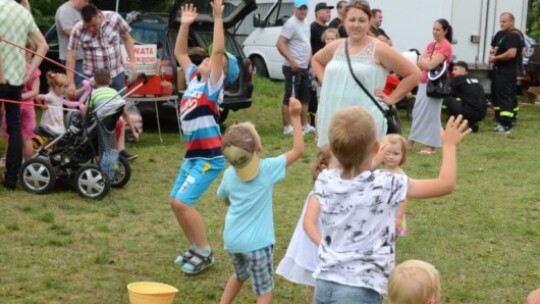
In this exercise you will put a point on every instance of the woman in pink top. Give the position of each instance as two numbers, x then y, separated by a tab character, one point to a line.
426	115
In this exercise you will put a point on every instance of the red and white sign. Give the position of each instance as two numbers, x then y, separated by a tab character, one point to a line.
144	54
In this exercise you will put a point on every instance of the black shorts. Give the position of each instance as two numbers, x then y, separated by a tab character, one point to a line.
302	85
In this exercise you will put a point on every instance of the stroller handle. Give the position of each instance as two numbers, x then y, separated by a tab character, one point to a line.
138	77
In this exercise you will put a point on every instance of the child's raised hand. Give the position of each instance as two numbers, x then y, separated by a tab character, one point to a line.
189	14
295	107
456	130
379	157
217	8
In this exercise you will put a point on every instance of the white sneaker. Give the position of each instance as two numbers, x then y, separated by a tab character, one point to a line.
308	129
287	130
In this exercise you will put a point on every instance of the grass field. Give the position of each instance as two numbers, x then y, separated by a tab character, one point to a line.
484	238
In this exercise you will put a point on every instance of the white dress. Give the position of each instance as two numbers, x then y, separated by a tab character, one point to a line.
301	258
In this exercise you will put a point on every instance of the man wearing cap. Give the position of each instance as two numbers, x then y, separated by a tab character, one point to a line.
337	23
468	98
322	16
294	45
375	28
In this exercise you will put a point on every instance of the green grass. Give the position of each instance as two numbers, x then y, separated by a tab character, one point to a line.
484	238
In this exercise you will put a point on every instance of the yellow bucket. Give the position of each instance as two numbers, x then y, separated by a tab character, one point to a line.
151	293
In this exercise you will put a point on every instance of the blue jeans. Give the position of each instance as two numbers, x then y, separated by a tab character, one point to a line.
119	81
327	292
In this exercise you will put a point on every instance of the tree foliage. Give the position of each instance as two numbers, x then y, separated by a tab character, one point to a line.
533	20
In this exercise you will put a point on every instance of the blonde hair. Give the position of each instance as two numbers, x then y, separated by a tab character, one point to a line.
414	282
330	30
55	79
398	139
351	137
322	160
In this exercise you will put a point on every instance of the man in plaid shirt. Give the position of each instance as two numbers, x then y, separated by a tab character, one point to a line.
99	36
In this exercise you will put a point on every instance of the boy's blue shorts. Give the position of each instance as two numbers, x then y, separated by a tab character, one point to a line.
194	177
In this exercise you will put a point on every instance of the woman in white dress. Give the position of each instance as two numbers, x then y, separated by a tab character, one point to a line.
370	59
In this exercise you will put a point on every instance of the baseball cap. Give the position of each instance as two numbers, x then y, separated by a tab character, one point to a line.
240	144
300	3
322	5
233	70
462	64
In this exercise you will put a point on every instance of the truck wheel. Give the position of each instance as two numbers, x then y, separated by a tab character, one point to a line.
259	67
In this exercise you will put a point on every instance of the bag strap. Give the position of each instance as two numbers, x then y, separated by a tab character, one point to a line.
385	113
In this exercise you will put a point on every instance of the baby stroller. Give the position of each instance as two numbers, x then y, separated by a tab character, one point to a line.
83	156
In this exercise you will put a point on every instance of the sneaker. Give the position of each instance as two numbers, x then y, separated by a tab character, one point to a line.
287	130
308	129
501	129
128	155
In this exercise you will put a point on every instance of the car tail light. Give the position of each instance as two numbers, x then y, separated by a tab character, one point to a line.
249	76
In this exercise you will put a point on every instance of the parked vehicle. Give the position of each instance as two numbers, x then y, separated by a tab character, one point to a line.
160	30
260	45
409	25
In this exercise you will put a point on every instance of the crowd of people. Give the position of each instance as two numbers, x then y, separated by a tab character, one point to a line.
344	242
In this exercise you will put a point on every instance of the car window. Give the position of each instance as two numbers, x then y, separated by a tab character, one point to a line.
279	15
230	44
146	35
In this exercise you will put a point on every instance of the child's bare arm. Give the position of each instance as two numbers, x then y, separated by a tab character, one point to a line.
33	92
402	207
218	49
378	158
189	15
298	138
456	130
311	218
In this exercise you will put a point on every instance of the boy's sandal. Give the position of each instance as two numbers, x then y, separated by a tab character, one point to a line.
181	259
197	262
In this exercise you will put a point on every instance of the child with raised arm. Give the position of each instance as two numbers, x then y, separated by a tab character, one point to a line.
199	114
393	159
357	208
247	187
414	282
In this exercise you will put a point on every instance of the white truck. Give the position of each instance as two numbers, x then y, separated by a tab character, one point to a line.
409	25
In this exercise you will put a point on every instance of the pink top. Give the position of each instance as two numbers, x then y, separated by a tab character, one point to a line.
28	87
445	48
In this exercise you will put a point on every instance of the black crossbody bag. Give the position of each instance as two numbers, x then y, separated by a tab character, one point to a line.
392	119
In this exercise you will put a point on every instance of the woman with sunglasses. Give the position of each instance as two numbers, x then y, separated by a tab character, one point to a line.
426	123
370	62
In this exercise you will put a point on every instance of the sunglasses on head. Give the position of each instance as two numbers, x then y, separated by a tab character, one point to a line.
359	2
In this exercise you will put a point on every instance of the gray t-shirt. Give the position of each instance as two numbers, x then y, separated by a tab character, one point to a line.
66	17
298	34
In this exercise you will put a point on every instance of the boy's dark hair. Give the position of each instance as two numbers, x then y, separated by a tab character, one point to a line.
102	77
89	12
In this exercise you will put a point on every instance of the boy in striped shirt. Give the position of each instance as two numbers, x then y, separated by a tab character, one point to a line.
199	113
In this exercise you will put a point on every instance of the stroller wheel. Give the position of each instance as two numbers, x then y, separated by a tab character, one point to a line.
122	173
91	183
37	175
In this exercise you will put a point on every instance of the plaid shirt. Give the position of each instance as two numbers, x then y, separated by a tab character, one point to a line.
16	23
101	50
